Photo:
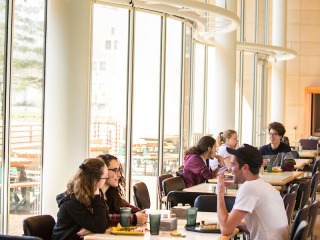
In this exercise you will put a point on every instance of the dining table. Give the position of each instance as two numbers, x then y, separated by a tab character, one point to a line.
301	162
276	178
211	188
166	235
308	153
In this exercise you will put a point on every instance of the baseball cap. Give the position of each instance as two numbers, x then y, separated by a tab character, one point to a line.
249	154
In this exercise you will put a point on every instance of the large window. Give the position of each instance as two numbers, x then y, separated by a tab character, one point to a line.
22	87
145	128
172	104
109	87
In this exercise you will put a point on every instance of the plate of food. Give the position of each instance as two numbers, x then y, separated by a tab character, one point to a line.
204	228
127	230
276	169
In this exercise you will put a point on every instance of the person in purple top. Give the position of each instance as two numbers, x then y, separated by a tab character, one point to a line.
195	169
277	151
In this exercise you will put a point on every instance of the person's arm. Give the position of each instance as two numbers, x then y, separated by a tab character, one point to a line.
139	216
228	221
227	162
220	165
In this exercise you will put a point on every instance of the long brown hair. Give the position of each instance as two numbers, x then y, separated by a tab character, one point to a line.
83	185
114	195
202	146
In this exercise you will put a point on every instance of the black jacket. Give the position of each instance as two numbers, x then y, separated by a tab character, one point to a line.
72	216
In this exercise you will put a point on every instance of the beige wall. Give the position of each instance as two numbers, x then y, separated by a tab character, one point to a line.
304	70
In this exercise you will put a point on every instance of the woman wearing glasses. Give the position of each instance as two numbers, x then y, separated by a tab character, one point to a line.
82	204
114	189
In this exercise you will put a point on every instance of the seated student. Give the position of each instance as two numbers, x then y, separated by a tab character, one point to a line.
277	151
228	138
82	205
114	192
257	202
195	169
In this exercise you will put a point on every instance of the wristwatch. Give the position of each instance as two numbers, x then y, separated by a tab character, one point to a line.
220	166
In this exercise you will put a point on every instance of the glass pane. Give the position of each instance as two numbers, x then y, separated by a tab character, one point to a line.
187	79
172	96
146	101
26	111
211	99
2	77
109	81
198	93
247	99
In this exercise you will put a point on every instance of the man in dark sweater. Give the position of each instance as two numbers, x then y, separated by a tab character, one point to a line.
277	151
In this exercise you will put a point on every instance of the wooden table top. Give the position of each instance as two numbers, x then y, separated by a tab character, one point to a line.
165	235
275	178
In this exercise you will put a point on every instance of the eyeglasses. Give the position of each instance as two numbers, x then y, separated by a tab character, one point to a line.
115	170
273	134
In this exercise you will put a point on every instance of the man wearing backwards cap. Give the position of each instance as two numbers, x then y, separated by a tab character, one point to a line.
257	202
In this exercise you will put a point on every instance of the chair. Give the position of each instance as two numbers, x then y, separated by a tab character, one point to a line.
175	197
314	186
295	154
313	213
39	226
208	203
141	195
302	231
173	184
303	194
293	188
309	144
161	178
11	237
302	214
289	201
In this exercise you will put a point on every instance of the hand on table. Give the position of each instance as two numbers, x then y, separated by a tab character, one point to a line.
83	232
142	217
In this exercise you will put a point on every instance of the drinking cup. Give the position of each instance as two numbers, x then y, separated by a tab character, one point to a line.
269	166
154	223
191	216
125	214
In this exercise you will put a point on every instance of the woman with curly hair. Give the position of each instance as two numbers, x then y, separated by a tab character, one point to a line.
82	205
195	169
114	189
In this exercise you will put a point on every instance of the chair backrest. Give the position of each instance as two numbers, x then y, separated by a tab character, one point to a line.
173	184
302	231
141	195
295	154
309	144
175	197
303	194
289	201
314	186
302	214
208	203
11	237
293	188
313	213
161	178
316	167
39	226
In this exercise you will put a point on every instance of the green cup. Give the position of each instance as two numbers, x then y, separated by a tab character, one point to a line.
154	223
125	214
269	166
191	216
